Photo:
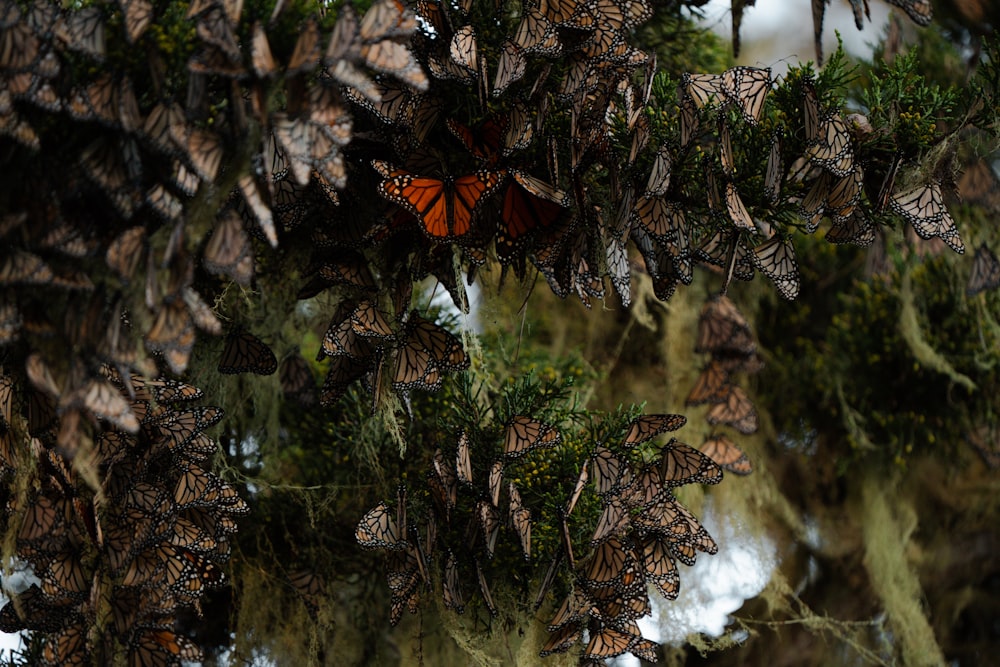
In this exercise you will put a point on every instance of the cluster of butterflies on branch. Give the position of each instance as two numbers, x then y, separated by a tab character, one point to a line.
725	334
635	539
127	527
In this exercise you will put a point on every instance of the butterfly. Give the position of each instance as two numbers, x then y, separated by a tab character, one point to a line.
682	464
562	639
923	207
985	272
524	434
297	380
920	11
485	590
712	385
608	643
495	480
855	228
776	259
529	204
153	647
245	353
646	427
452	590
463	459
377	529
773	174
228	251
659	566
445	207
727	454
489	521
510	68
67	647
614	520
736	411
748	88
425	351
723	328
705	90
830	145
520	518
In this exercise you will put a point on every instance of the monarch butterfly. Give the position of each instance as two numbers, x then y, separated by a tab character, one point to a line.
659	176
387	19
494	481
776	259
831	147
985	272
444	207
446	477
748	87
737	411
83	31
574	607
659	566
920	12
138	16
344	371
529	204
524	434
463	459
520	518
485	590
245	353
426	350
25	268
483	141
68	647
737	211
724	451
305	56
156	647
663	220
377	530
261	213
705	90
562	639
510	68
646	427
64	580
297	380
489	521
452	590
536	34
608	564
614	520
228	251
712	386
612	475
682	464
608	643
463	49
923	207
103	400
581	482
855	228
722	328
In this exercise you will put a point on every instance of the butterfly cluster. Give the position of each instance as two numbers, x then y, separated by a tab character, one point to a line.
361	338
643	530
458	490
150	542
725	334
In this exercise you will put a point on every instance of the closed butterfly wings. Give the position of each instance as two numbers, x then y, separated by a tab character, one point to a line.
923	207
